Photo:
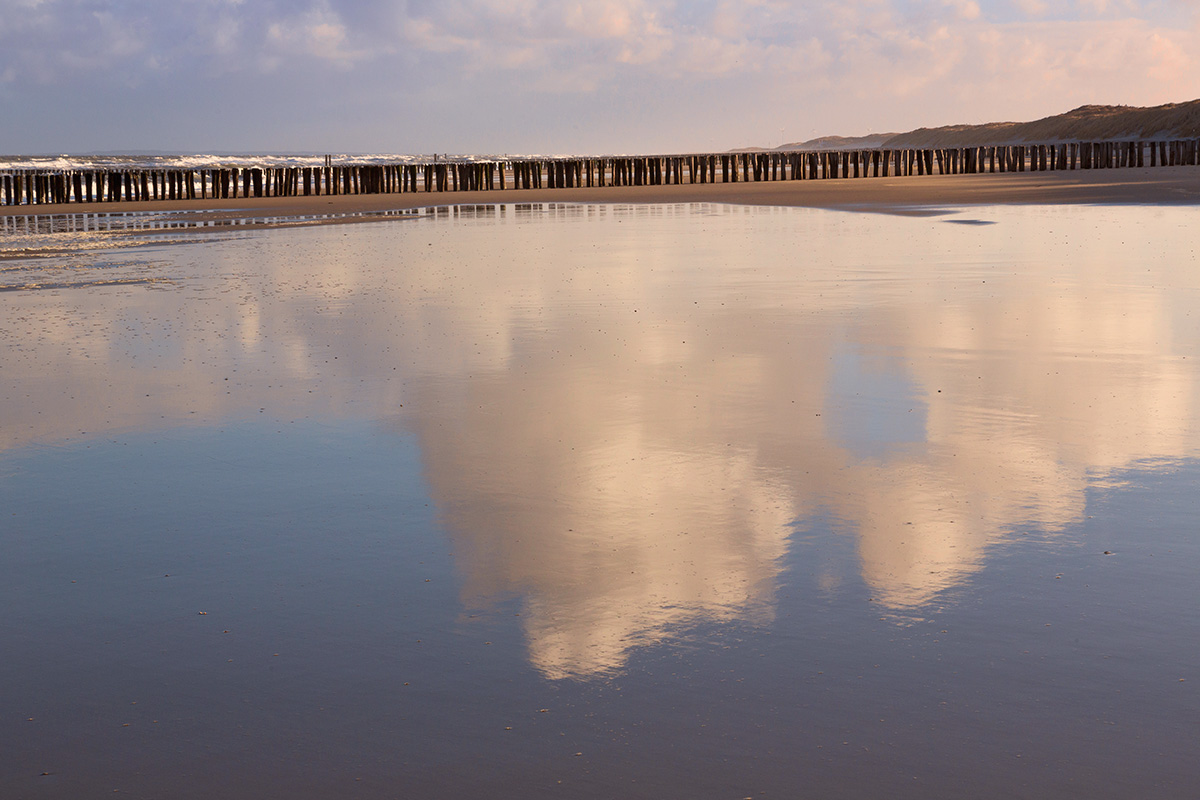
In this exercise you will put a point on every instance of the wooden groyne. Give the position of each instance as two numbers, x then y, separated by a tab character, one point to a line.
39	187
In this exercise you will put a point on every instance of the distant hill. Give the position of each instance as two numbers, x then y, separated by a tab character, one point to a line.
868	142
1087	123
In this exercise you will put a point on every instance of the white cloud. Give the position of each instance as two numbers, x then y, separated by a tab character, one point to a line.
316	33
965	9
1033	8
857	63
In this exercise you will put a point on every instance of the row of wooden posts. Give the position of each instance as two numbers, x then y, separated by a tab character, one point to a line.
30	187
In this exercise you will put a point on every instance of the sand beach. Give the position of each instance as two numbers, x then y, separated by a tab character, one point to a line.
600	401
910	194
809	488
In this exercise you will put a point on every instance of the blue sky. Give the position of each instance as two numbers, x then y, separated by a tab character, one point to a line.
524	76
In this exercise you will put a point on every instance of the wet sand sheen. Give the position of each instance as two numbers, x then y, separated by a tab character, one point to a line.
592	501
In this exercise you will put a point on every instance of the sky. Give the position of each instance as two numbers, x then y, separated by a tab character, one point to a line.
539	76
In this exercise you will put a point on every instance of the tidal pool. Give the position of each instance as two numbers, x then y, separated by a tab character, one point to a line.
525	501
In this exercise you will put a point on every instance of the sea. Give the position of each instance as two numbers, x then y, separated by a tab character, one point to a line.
124	161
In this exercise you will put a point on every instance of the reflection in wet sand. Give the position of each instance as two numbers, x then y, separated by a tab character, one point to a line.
625	413
613	521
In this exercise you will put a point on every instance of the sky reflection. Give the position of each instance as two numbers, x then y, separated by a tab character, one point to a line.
623	413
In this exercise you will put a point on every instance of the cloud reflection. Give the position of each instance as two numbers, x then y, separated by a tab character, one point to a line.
625	413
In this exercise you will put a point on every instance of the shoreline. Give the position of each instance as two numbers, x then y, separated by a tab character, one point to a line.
910	195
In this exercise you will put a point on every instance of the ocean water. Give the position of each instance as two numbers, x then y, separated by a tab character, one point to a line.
224	160
571	501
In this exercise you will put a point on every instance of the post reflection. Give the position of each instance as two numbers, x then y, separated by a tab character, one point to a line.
624	414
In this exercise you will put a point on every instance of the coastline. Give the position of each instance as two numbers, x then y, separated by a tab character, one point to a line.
1179	185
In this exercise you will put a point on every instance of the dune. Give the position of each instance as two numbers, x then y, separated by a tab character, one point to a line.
1089	123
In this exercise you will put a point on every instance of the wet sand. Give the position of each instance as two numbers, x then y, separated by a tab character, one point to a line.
586	501
904	195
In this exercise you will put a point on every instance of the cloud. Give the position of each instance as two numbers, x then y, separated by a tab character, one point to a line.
965	9
317	33
850	66
51	41
913	44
